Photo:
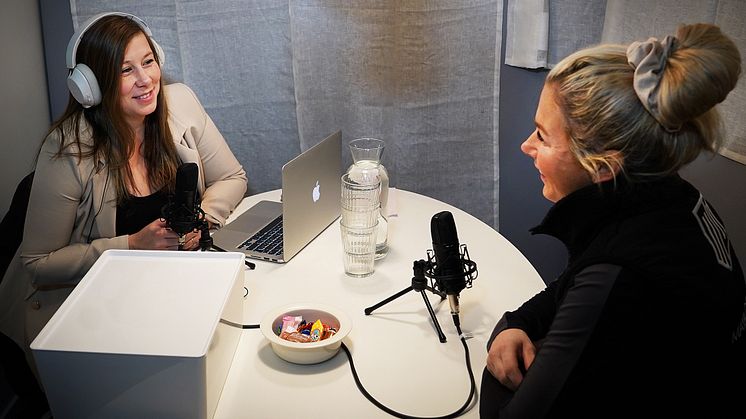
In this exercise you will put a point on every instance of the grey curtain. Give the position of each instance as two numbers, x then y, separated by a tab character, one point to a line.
277	76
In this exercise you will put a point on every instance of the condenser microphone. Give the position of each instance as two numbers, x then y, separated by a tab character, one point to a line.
186	186
452	269
447	256
182	213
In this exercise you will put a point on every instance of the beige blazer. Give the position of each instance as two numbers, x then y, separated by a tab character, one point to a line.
71	218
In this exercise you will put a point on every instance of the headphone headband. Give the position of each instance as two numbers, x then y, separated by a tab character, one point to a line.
72	46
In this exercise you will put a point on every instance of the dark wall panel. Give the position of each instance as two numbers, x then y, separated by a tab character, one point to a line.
522	205
57	28
723	182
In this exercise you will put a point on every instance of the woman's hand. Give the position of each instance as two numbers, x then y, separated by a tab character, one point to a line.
510	354
157	236
191	240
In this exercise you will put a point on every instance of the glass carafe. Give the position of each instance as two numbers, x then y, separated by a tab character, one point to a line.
366	166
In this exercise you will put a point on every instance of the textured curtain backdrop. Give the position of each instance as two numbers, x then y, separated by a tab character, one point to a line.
575	24
540	33
279	75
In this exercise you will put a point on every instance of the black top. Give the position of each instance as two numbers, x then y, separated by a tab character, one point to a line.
647	320
135	213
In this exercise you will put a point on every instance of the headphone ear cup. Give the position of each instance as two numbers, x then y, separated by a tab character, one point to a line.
83	86
159	52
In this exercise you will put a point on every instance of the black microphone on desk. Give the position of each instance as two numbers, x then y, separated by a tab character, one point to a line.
182	212
449	264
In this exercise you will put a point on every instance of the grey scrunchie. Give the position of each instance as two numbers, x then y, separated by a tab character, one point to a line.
649	58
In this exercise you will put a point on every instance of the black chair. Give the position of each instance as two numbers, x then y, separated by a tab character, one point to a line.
11	227
31	402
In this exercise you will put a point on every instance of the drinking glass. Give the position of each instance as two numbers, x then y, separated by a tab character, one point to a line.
359	245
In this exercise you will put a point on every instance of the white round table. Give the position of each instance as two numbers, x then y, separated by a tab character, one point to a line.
396	350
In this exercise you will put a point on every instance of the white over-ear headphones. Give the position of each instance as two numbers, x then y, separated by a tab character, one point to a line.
81	81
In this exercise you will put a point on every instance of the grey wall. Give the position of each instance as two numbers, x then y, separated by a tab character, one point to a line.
57	27
522	205
24	112
723	182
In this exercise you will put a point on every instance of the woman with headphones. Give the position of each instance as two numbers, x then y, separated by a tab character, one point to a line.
107	167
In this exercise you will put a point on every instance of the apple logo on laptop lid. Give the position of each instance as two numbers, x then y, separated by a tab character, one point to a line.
316	194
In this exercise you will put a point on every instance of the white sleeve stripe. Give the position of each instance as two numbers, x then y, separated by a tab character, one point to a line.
714	231
718	231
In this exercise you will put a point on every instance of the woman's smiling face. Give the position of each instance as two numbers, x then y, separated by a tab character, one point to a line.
549	147
140	81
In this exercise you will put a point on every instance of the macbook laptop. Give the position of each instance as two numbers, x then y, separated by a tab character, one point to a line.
277	231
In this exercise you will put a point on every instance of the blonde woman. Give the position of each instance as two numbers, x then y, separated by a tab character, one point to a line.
647	320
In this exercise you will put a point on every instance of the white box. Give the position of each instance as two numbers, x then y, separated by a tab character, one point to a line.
141	336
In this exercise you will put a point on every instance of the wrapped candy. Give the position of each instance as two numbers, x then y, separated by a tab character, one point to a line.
316	331
290	325
296	329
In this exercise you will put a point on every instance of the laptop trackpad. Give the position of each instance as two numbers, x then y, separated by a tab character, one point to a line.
256	217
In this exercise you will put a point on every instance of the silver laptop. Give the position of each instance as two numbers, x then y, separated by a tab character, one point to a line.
277	231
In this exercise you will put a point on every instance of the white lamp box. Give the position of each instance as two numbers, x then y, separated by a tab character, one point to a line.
144	334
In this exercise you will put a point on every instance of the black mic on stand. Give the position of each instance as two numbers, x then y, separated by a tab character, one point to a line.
449	263
182	212
448	268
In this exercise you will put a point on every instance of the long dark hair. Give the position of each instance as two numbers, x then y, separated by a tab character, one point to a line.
102	49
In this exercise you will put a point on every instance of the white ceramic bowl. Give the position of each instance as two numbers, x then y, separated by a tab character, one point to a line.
310	352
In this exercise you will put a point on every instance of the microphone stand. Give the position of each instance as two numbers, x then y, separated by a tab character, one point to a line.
198	223
205	243
419	284
205	238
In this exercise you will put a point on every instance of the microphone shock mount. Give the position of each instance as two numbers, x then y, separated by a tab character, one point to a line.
184	220
426	279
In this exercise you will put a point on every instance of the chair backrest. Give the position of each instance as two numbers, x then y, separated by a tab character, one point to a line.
11	227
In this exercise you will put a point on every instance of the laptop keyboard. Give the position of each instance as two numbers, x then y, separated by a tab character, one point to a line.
267	240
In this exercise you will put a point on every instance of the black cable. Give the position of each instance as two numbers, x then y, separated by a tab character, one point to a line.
246	261
239	325
380	405
103	195
392	412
